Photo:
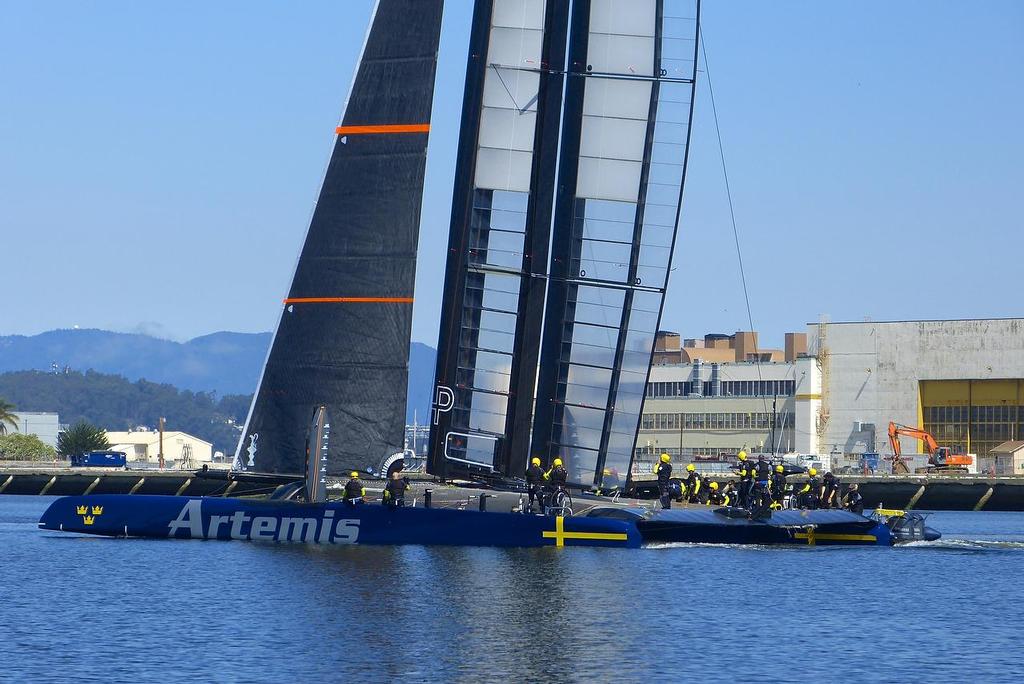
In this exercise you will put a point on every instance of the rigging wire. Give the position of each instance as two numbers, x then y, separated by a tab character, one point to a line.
732	211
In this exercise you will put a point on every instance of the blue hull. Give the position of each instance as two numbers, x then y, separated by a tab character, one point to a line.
177	517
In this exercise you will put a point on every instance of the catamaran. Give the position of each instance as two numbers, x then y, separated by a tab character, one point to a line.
567	195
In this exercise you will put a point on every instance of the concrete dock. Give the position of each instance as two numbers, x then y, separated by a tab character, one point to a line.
919	492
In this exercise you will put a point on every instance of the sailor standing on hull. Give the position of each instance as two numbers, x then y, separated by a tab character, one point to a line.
354	490
761	473
557	476
778	486
696	492
535	484
663	469
745	471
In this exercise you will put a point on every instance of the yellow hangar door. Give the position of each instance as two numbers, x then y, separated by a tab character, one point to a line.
973	415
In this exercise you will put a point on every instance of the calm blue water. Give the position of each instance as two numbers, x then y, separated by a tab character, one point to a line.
100	610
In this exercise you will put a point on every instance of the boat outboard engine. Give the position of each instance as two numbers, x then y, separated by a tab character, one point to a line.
911	527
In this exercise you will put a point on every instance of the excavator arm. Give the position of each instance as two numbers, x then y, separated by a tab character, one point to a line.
936	456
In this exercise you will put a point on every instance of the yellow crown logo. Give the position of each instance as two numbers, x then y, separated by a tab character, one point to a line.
88	520
82	510
97	510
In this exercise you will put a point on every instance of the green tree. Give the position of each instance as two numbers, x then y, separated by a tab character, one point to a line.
81	438
7	416
25	448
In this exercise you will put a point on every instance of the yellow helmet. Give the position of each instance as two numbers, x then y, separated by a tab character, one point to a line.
690	468
812	472
743	455
665	458
535	461
714	485
557	462
779	469
607	471
354	474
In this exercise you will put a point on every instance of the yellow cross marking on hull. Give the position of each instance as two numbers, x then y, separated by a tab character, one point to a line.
560	535
813	536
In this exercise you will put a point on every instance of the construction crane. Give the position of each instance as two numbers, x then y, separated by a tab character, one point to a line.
939	457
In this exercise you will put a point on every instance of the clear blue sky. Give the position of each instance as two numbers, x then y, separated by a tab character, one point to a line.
159	161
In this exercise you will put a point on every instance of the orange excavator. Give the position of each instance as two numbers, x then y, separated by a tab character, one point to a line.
939	457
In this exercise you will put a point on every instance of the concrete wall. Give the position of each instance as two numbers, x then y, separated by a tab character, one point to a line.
875	369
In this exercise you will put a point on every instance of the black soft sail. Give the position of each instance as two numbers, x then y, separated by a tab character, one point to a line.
498	243
343	338
624	145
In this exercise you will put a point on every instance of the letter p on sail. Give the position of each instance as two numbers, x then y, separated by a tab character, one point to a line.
444	400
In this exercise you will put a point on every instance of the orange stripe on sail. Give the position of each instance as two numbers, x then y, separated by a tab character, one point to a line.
349	300
383	128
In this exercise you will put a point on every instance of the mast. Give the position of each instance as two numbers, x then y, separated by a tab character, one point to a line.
498	243
344	334
625	141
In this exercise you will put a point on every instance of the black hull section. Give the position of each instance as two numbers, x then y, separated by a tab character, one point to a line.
800	528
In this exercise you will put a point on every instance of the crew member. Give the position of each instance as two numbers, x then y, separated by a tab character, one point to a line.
853	501
811	491
745	470
829	492
610	481
556	476
535	483
730	493
663	469
695	488
778	486
354	490
394	491
717	497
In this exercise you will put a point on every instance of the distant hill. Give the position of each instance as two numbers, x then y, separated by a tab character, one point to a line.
226	363
114	403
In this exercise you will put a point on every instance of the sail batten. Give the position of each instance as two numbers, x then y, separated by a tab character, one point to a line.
344	333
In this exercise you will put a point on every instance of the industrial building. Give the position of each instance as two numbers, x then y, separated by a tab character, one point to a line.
45	426
181	450
832	391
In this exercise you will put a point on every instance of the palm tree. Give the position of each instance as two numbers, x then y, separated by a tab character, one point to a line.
7	416
81	438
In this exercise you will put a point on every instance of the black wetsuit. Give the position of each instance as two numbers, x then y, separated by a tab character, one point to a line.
830	494
745	470
535	486
694	487
354	491
716	497
778	487
809	498
854	502
664	488
396	491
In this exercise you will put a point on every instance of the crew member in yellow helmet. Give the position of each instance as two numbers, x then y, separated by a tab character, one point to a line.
535	484
716	496
810	495
354	490
663	469
778	486
696	492
556	477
